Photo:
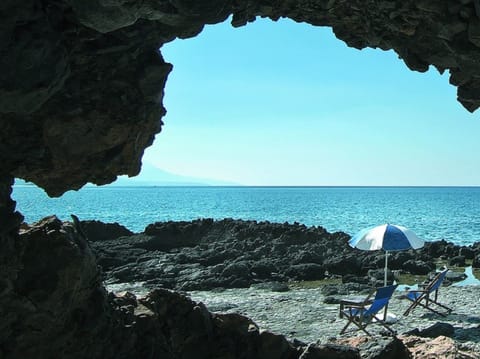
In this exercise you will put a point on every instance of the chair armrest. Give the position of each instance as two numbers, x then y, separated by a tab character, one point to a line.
355	301
350	303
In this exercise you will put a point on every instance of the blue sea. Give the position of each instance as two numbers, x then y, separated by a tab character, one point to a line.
433	213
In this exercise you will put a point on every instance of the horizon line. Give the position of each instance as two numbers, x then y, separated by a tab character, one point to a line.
299	186
113	184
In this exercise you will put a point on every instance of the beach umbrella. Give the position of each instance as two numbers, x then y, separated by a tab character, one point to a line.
389	237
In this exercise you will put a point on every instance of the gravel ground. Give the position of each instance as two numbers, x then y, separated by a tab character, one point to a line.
302	313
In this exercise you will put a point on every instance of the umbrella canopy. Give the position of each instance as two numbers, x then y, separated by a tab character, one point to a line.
389	237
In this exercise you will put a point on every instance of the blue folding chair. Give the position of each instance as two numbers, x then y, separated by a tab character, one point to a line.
363	313
427	296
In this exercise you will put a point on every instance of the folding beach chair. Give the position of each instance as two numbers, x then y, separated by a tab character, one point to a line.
363	313
427	296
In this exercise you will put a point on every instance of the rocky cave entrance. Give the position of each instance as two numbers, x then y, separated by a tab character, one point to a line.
67	101
248	105
68	119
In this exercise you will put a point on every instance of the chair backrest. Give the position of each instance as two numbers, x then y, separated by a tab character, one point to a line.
437	281
381	299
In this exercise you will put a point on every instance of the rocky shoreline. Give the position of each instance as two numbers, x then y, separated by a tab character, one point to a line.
248	267
302	314
59	303
206	254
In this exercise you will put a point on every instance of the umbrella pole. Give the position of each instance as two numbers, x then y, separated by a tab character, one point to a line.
386	265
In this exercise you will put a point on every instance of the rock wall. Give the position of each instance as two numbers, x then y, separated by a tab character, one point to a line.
56	306
82	82
9	256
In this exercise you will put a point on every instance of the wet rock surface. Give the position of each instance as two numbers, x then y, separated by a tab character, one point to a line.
207	254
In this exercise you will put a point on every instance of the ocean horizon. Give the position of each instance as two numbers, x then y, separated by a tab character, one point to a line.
432	212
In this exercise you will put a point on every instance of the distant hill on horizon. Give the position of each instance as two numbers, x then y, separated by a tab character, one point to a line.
153	176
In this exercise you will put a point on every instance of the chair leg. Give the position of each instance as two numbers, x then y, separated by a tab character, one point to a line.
410	308
362	328
415	303
428	306
385	325
352	320
448	309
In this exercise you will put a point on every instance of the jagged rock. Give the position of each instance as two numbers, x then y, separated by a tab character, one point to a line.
440	347
436	330
458	261
306	271
55	306
99	231
207	254
343	264
82	81
273	346
330	351
57	303
379	347
418	267
476	261
467	252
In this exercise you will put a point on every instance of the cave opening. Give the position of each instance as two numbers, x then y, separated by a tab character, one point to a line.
287	104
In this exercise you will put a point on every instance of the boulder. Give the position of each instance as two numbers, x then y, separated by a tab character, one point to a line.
333	351
379	347
57	301
436	330
467	252
306	271
458	261
378	276
343	264
274	346
476	261
439	347
418	267
99	231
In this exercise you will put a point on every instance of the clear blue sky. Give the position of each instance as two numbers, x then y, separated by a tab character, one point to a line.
281	103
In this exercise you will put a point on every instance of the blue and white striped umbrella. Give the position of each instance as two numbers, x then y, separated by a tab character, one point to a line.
389	237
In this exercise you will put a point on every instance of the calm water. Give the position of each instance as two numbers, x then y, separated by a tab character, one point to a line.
451	213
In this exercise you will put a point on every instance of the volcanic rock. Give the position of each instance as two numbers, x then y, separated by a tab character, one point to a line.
206	254
82	82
